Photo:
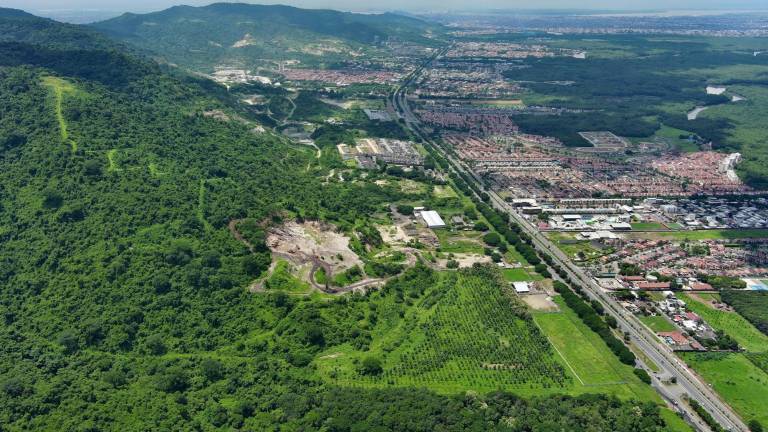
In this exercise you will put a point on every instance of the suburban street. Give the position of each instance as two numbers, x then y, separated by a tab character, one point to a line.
671	367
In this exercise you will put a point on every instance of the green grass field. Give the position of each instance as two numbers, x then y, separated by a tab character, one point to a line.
648	226
732	323
459	243
658	323
517	275
585	355
703	234
737	380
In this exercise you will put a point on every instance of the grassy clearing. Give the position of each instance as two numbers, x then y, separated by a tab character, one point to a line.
112	165
61	88
444	192
737	380
282	279
517	275
658	323
648	226
587	357
703	234
733	324
454	243
672	137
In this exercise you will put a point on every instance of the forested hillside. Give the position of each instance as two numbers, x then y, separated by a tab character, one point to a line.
124	301
225	33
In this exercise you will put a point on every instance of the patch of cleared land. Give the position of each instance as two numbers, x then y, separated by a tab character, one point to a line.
61	88
541	302
444	192
311	241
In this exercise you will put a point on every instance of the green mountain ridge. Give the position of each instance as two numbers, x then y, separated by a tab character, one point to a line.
229	33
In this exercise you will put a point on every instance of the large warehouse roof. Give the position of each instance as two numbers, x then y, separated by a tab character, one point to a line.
433	219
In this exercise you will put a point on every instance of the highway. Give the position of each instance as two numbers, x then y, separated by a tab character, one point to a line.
688	384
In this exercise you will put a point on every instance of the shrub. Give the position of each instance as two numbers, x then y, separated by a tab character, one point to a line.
405	209
371	366
643	375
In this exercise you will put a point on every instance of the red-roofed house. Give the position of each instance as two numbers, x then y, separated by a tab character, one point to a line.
692	316
633	278
676	337
701	286
653	286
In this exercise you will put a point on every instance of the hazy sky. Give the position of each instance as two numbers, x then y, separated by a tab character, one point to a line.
149	5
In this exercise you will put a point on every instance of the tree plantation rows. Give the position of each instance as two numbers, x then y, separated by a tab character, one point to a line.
469	330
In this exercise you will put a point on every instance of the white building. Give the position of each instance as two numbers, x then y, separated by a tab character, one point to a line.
521	287
432	219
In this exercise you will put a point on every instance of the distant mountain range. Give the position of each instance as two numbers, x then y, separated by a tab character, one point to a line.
226	33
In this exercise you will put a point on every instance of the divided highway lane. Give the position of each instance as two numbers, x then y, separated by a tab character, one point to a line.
646	341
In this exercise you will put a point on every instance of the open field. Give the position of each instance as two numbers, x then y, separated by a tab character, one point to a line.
703	234
732	323
586	356
658	323
517	275
444	192
736	379
642	226
464	242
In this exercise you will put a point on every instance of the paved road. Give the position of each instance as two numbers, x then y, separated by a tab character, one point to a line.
688	384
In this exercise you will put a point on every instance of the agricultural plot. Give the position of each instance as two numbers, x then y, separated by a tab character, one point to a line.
585	356
736	379
466	333
732	324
